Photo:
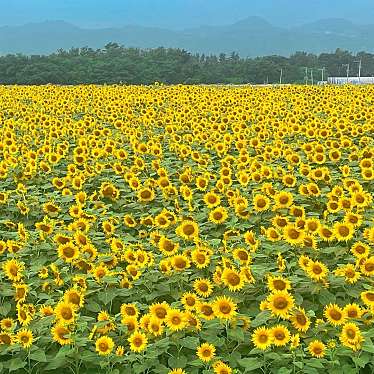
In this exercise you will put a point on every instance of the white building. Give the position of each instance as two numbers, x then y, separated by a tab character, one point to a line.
350	80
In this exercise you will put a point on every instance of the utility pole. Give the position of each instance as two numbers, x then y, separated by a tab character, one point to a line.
322	72
359	69
306	74
311	76
281	75
347	65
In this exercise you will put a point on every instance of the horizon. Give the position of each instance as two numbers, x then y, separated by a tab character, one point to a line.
181	14
244	18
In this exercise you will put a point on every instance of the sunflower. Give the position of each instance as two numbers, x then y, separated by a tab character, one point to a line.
61	334
6	338
367	267
280	303
360	249
24	314
299	319
25	338
131	323
262	338
188	230
261	203
326	233
3	197
104	345
167	246
65	312
349	272
350	334
200	258
129	310
368	297
278	284
317	349
218	215
343	231
68	252
138	341
13	270
159	310
129	221
316	270
312	225
205	310
250	239
108	228
155	326
161	220
206	352
283	200
211	199
120	350
293	235
294	341
203	287
334	314
232	279
175	320
180	262
242	255
7	324
176	371
74	297
220	367
273	235
224	307
145	195
51	209
353	311
106	323
280	334
21	292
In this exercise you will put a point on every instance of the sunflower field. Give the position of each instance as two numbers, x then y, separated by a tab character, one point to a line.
186	229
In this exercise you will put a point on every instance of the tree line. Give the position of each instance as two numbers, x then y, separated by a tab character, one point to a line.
117	64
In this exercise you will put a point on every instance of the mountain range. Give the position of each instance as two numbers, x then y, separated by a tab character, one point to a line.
250	37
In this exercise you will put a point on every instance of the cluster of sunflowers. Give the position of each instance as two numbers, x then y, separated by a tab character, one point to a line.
186	229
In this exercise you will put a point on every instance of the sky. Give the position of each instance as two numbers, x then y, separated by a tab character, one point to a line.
179	14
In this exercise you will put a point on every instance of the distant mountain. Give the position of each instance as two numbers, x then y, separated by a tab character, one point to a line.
252	36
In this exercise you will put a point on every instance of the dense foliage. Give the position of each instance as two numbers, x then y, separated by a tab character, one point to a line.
115	64
186	229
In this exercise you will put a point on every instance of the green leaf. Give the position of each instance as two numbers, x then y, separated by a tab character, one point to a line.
310	370
177	362
5	309
161	369
93	307
190	342
261	318
368	346
138	368
16	363
273	356
236	334
107	295
38	355
250	363
361	361
197	363
284	371
315	363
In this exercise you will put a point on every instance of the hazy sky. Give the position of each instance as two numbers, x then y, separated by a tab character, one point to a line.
181	13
